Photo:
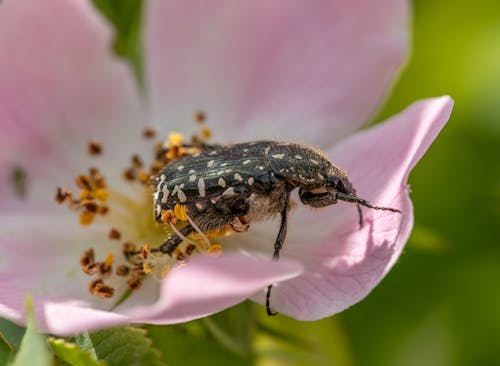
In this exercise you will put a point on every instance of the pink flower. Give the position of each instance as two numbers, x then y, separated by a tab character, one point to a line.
283	69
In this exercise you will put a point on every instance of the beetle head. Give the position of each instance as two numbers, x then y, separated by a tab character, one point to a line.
337	187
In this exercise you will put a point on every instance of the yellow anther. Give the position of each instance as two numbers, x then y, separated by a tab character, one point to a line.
145	251
85	195
165	270
109	259
144	176
180	211
214	250
146	268
86	218
100	194
206	133
175	139
168	216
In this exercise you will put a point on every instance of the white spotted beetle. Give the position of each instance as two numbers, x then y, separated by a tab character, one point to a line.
238	184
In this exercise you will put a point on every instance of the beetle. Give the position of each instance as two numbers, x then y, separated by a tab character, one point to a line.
241	183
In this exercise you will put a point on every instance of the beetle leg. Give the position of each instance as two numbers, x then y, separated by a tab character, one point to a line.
173	242
280	239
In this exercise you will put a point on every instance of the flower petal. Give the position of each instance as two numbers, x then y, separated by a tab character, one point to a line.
346	263
208	285
284	68
59	88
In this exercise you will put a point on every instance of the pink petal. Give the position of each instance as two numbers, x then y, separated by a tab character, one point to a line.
200	288
285	69
59	88
347	263
208	285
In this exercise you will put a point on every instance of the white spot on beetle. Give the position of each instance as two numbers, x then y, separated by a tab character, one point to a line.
314	162
180	167
238	177
192	178
181	195
199	206
298	157
278	156
228	171
260	167
251	180
221	182
229	192
220	172
210	163
223	164
248	161
213	152
201	187
192	171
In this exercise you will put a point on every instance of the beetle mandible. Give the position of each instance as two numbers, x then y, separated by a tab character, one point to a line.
242	183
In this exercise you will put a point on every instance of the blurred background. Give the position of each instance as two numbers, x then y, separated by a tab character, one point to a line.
440	305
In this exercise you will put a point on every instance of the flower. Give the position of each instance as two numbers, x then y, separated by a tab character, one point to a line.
285	69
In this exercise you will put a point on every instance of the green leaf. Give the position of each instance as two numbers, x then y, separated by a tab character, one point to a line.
13	333
126	346
72	354
126	17
191	344
33	350
5	350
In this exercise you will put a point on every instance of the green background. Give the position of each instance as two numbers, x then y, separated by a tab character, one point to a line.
440	305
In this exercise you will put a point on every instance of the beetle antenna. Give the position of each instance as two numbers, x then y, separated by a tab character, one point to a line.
362	202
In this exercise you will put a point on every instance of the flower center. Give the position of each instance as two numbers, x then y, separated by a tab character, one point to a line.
131	236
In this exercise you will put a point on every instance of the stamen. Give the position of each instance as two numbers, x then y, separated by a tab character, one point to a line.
214	250
164	271
145	251
206	133
180	212
62	195
134	281
128	249
129	174
86	218
136	161
94	148
101	194
200	116
98	288
146	268
202	235
175	139
122	270
144	177
85	195
84	182
114	234
148	133
168	216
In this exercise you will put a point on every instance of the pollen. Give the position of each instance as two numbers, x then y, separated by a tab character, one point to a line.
101	194
86	218
180	212
109	259
168	216
146	268
175	139
214	250
165	270
206	133
145	251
